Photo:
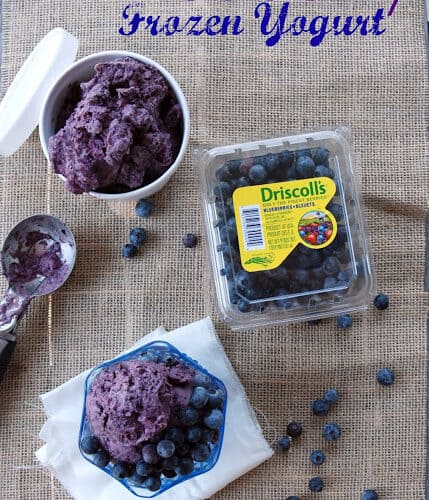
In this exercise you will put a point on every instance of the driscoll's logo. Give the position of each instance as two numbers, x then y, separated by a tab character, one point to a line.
313	188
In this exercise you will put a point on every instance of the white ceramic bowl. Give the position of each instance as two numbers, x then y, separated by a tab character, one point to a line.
83	70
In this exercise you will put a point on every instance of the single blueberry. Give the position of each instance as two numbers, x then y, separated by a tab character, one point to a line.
271	162
318	273
138	236
144	208
294	429
90	445
369	495
193	434
201	380
302	152
336	210
243	305
279	274
331	432
329	282
170	463
143	469
331	396
320	407
245	166
228	234
201	452
185	467
291	173
189	240
136	478
101	458
153	483
385	376
222	174
345	275
129	250
243	280
285	302
216	398
156	439
317	457
258	174
182	449
233	168
176	435
208	435
188	416
222	190
301	276
381	301
342	235
342	254
199	397
169	473
286	159
121	470
322	171
214	419
284	443
344	321
315	484
331	266
320	155
304	167
241	182
149	454
165	448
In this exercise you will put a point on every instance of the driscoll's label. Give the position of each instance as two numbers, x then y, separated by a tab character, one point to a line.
272	219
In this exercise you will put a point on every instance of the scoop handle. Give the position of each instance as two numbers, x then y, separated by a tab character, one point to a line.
7	346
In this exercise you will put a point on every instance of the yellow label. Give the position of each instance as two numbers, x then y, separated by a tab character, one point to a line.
272	219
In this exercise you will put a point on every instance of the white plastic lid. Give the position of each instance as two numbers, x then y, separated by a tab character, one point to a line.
20	107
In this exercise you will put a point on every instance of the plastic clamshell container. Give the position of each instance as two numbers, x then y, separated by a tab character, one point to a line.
166	483
299	276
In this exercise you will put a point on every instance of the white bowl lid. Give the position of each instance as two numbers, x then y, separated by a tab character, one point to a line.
20	107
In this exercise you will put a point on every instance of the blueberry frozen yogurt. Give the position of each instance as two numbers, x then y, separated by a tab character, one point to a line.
153	419
119	131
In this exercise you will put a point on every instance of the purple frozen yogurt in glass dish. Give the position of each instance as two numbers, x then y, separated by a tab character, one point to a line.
152	419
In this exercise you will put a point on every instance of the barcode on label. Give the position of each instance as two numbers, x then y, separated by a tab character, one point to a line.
251	224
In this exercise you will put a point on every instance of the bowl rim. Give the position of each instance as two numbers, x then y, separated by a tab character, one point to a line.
93	59
131	354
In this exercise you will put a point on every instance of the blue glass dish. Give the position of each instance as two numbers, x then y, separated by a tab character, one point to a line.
161	348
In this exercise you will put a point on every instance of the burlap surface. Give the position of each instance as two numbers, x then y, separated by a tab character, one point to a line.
239	89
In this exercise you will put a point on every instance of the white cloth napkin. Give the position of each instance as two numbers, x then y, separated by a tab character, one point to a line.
244	446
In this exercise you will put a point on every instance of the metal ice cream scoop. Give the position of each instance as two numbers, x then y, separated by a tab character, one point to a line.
37	258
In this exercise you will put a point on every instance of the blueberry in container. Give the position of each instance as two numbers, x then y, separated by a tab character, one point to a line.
286	235
191	443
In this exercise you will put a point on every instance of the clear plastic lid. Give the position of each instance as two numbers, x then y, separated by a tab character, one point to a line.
286	235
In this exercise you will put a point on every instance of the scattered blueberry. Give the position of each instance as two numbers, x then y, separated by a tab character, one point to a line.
153	483
385	376
185	467
284	443
190	240
143	469
216	398
202	380
101	458
320	407
315	484
381	302
369	495
90	445
331	396
344	321
201	452
149	454
144	208
317	457
138	236
188	416
121	470
294	429
214	419
129	250
331	432
165	448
